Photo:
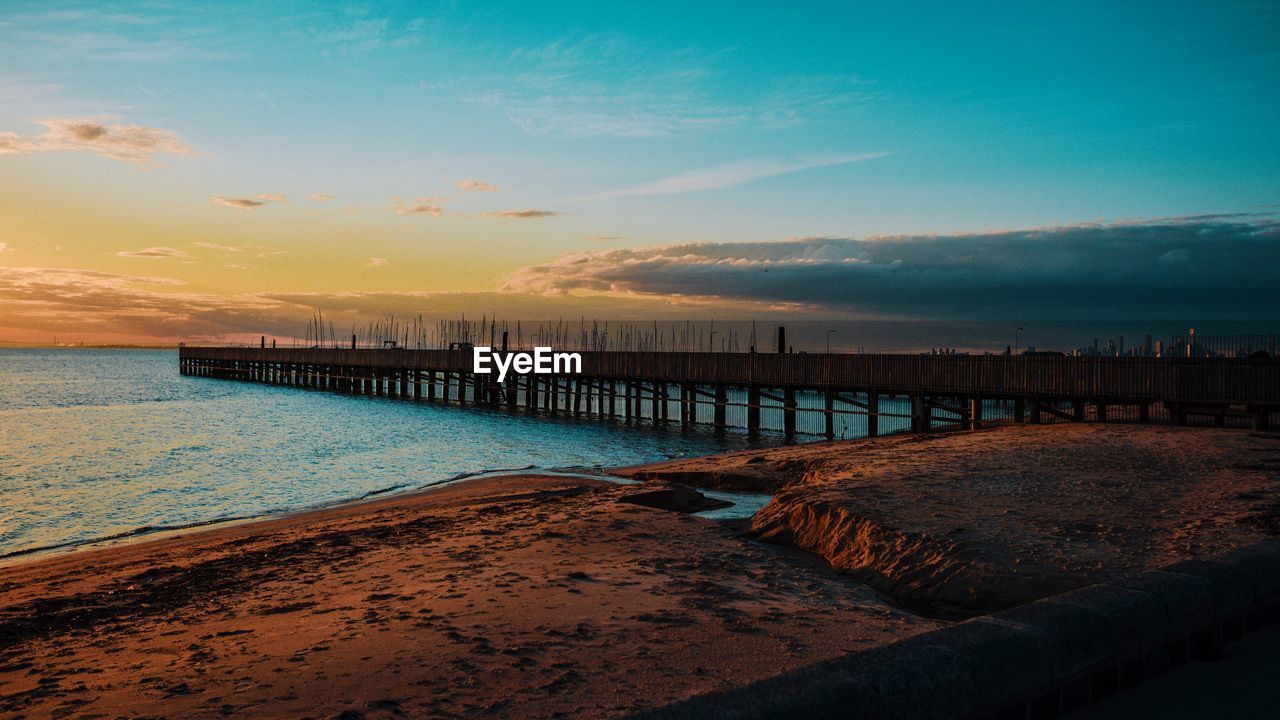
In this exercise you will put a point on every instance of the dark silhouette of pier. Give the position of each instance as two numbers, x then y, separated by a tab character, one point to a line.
815	394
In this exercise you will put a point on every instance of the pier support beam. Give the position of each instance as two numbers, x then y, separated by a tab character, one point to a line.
921	414
637	388
828	413
722	401
789	412
753	410
873	414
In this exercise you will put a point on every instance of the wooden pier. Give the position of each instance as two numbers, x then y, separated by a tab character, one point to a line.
831	395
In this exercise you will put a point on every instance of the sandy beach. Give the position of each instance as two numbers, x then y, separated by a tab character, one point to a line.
515	597
543	596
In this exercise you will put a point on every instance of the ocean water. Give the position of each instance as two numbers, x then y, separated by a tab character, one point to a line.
98	443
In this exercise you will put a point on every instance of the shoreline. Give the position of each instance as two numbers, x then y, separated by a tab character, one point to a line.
147	533
564	595
536	595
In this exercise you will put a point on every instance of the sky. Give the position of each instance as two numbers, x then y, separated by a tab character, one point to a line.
186	171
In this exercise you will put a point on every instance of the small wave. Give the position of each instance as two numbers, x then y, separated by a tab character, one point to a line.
138	531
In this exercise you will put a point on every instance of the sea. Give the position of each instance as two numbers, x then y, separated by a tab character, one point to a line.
110	444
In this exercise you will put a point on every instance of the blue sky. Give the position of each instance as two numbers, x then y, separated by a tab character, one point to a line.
663	123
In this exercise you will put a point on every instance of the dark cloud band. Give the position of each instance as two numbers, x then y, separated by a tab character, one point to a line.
1205	266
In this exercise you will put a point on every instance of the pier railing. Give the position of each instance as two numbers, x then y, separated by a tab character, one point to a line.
934	388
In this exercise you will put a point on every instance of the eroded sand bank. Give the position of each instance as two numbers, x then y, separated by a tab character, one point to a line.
959	524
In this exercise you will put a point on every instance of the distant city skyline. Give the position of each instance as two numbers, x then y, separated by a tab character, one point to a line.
178	171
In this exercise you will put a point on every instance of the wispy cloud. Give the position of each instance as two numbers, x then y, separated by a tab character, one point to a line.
362	35
520	214
730	175
273	197
477	186
237	203
605	85
262	251
136	144
220	247
377	262
4	246
320	197
153	253
1210	267
100	305
420	209
604	238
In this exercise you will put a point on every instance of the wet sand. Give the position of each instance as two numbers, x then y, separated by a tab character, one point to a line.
539	596
511	597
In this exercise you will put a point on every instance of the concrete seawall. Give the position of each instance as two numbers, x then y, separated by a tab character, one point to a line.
1034	661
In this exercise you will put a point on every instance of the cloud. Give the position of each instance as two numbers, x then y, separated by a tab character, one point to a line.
420	209
377	262
1100	271
520	214
604	238
237	203
152	252
1206	267
477	186
4	246
261	251
730	175
106	307
362	35
244	203
604	85
136	144
320	197
217	246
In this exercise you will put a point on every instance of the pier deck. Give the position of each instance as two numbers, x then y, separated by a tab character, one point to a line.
832	395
